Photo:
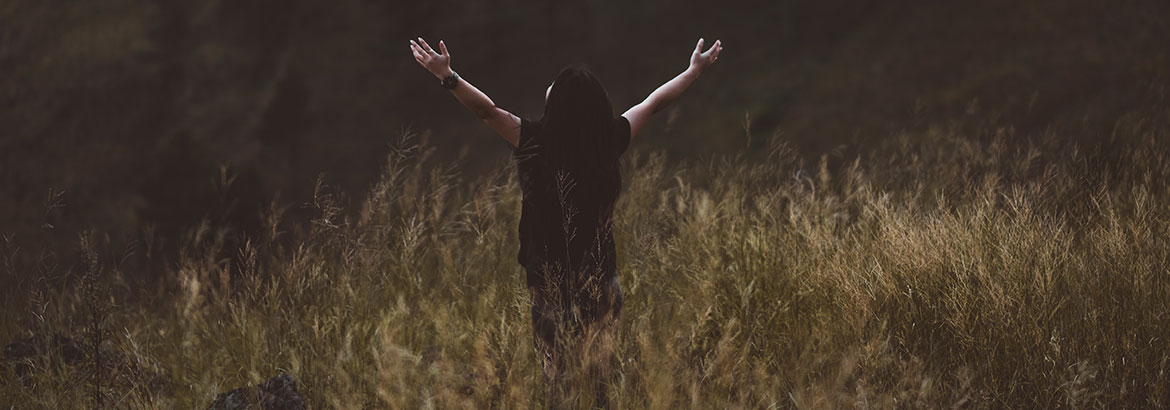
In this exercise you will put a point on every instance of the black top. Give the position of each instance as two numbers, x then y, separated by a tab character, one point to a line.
587	251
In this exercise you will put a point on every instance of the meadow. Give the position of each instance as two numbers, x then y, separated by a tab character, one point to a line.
937	270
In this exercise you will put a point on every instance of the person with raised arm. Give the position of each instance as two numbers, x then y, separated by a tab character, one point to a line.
567	163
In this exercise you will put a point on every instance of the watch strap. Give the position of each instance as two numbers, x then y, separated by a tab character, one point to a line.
451	81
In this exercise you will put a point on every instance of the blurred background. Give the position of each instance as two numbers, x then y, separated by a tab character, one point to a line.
139	120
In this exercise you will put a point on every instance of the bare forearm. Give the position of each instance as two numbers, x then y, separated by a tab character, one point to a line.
475	100
641	112
671	90
438	63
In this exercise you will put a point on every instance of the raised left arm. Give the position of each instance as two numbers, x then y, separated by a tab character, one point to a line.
439	64
639	114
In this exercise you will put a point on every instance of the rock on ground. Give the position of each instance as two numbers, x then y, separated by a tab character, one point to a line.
278	393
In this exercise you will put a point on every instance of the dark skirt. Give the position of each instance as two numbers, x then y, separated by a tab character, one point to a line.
560	319
566	312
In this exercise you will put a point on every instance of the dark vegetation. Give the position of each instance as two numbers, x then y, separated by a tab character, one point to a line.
118	115
865	203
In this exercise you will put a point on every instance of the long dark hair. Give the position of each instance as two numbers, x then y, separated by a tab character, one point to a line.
578	129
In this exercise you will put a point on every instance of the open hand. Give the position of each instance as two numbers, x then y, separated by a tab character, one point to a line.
438	63
700	59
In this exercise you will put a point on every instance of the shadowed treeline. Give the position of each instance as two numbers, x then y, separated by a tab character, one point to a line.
118	115
877	204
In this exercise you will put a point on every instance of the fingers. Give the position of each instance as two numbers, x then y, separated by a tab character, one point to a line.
714	47
426	47
443	48
419	55
712	53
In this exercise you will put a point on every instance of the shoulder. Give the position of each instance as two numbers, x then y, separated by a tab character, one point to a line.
621	128
529	130
621	122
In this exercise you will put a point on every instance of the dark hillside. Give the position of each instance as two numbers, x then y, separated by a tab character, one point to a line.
132	109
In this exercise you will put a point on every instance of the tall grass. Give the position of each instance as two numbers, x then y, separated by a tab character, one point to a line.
935	274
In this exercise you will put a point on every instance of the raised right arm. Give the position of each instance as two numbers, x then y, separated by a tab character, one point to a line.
639	114
439	64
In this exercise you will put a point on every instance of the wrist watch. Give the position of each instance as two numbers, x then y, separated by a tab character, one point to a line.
451	81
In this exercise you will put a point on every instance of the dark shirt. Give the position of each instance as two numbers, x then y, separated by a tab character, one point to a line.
587	251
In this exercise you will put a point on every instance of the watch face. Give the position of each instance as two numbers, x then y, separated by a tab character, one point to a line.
449	82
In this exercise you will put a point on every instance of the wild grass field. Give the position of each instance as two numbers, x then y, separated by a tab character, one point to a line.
938	270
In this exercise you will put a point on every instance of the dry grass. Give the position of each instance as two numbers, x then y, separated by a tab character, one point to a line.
943	273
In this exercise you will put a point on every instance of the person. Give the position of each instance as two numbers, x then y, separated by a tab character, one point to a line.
567	163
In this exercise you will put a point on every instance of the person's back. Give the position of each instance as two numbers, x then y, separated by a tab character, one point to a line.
568	167
570	178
